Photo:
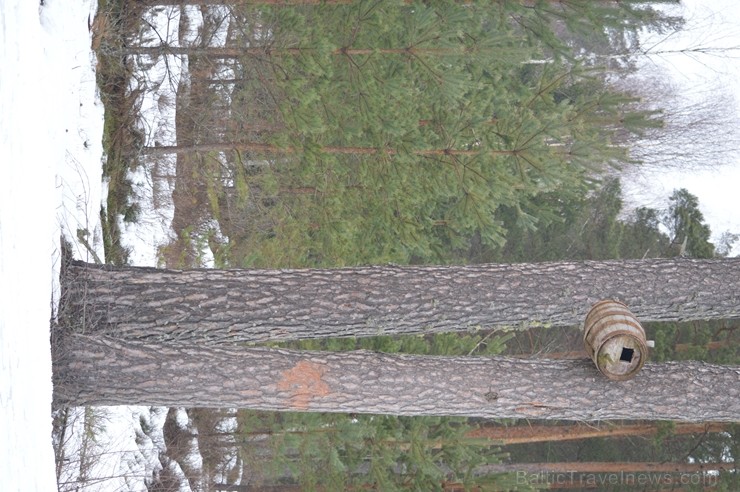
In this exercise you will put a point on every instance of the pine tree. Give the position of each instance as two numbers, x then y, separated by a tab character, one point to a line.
689	234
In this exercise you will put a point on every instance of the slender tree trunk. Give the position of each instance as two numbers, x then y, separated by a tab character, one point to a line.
254	306
327	149
156	3
105	371
683	347
603	467
522	434
519	434
446	487
242	51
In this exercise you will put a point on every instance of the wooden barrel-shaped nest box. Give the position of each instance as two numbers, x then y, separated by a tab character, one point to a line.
615	340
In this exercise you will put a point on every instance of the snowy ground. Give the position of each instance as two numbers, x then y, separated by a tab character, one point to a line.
41	67
51	123
50	183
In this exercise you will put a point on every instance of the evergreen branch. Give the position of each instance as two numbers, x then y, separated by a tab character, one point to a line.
548	87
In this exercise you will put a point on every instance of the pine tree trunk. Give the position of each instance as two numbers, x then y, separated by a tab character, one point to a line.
528	433
522	434
244	51
326	149
254	306
105	371
683	347
158	3
610	467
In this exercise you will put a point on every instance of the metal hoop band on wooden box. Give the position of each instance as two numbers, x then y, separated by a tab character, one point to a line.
615	340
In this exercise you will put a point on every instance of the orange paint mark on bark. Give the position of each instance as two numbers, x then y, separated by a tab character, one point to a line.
304	382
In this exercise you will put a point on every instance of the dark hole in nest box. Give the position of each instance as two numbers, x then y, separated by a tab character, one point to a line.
627	354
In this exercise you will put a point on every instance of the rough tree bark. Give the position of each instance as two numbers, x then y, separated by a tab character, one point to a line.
105	371
253	306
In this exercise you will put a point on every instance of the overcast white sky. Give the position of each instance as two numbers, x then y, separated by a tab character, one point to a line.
716	24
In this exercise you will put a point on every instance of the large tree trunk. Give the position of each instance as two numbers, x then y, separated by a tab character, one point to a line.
253	306
105	371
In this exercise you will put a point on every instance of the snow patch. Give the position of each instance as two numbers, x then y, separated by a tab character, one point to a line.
50	165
